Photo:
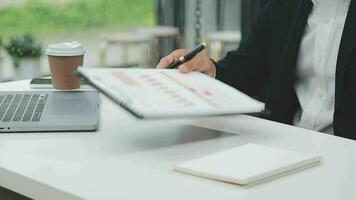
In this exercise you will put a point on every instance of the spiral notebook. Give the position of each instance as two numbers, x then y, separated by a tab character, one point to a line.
249	164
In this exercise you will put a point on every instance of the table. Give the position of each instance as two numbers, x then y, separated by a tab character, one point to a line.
132	159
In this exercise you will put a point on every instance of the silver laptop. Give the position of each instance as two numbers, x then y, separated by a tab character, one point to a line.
32	111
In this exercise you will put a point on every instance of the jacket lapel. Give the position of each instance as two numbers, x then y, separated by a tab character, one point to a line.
347	44
299	25
295	33
348	39
283	80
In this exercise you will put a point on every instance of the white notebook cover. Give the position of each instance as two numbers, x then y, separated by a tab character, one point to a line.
249	164
163	93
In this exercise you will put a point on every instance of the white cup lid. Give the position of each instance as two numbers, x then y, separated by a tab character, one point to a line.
65	49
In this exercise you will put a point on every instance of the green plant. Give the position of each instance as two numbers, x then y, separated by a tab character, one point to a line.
23	46
47	18
1	46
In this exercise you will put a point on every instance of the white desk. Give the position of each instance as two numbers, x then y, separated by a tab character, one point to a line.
132	159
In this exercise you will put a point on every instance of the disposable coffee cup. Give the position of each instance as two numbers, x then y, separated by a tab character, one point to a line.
64	59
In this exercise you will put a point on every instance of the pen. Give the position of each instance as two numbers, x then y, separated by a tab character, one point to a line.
188	56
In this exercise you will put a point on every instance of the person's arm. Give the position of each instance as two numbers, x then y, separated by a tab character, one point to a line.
247	68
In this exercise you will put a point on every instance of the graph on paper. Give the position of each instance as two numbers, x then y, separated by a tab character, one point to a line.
160	93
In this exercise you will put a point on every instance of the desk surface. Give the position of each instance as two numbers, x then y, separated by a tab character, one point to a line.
132	159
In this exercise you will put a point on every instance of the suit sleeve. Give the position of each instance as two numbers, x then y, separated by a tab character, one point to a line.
247	68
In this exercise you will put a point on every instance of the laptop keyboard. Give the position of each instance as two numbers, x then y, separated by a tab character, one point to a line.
22	107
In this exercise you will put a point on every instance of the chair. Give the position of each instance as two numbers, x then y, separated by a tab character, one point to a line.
127	40
219	40
160	33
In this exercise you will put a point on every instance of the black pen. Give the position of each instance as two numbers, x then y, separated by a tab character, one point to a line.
188	56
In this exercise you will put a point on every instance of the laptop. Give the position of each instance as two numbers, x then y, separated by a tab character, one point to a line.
37	111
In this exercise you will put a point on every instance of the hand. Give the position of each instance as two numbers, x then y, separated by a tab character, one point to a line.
199	62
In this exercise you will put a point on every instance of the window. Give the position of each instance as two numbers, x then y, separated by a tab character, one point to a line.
86	21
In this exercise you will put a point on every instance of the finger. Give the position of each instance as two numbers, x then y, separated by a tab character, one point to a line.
184	69
164	62
192	65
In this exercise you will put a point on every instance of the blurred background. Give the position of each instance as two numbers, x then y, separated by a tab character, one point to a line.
117	33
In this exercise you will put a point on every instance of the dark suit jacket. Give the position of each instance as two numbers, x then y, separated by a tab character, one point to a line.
264	64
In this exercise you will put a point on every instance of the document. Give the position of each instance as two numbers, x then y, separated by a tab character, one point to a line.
161	93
